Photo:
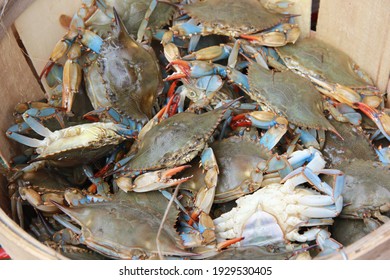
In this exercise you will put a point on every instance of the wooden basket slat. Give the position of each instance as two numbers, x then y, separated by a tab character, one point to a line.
9	11
40	34
361	29
17	84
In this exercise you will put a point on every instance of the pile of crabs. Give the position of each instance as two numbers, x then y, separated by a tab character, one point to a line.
174	131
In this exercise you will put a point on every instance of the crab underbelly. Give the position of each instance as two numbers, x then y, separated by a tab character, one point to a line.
277	208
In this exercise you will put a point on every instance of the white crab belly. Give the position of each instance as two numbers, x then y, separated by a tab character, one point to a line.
90	135
264	217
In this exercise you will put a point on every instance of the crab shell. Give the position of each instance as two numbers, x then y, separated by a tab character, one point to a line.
367	188
348	231
133	12
127	226
79	144
175	141
41	186
290	95
238	161
313	57
280	212
234	17
355	144
125	76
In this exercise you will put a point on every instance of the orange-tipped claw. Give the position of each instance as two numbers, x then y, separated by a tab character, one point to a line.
193	218
240	121
182	64
45	71
229	242
65	21
249	37
173	171
71	83
175	76
172	88
160	179
381	119
92	188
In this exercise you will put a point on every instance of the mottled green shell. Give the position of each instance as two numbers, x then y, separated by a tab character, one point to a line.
366	187
354	145
321	59
128	225
347	231
77	155
237	161
125	77
175	141
133	12
247	16
290	95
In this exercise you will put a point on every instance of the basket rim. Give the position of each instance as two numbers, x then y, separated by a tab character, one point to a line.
28	246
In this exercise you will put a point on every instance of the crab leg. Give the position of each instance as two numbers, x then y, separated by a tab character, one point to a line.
213	53
307	138
158	180
278	36
145	20
342	112
36	125
305	174
381	119
205	197
102	187
130	127
41	202
31	142
298	158
37	113
328	245
186	29
72	77
273	136
383	155
276	164
63	221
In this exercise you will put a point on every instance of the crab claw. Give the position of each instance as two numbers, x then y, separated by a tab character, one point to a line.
160	179
381	119
196	69
212	53
60	49
280	36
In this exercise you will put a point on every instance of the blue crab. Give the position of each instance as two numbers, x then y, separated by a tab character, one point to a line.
367	199
245	166
248	19
122	76
336	76
136	217
275	213
355	144
271	90
70	146
172	142
127	226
